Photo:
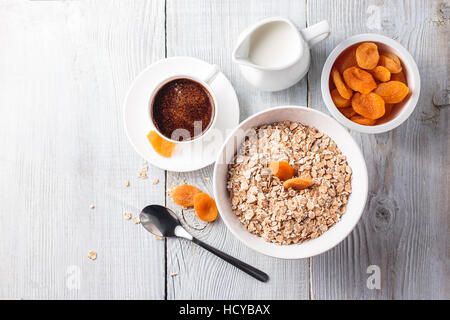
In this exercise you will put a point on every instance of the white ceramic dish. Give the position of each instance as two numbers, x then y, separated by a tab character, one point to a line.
409	68
347	145
187	156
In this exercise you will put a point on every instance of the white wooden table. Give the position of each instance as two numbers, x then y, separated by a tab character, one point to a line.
65	67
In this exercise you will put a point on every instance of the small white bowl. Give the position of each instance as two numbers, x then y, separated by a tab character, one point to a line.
346	144
409	68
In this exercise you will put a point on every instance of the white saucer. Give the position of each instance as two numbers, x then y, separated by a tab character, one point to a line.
187	156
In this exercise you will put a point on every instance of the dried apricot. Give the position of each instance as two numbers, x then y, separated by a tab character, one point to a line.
381	73
343	90
184	195
369	105
392	91
281	169
388	107
367	55
347	112
388	110
297	183
399	77
359	80
364	121
160	145
338	100
391	62
205	207
346	60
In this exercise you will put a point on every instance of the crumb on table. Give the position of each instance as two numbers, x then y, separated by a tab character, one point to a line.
92	255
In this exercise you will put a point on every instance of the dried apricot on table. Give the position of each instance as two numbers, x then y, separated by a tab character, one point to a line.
297	183
160	145
392	91
347	112
381	73
343	90
205	207
364	121
359	80
338	100
367	55
281	169
184	195
391	62
369	105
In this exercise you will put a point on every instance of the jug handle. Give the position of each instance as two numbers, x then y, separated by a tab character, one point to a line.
316	33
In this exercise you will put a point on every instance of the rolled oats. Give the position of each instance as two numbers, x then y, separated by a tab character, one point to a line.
265	207
127	215
136	220
92	255
142	173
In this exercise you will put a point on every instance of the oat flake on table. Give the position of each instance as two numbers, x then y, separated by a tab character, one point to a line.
261	202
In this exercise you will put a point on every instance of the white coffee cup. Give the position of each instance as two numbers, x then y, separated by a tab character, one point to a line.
205	81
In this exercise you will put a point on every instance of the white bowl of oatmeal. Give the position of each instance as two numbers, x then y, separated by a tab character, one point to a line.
283	222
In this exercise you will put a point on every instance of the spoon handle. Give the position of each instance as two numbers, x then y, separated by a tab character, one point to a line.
255	273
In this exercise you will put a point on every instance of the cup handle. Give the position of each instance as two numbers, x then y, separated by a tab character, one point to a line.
316	33
212	74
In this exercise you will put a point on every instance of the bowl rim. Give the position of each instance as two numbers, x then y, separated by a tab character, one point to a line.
408	62
364	184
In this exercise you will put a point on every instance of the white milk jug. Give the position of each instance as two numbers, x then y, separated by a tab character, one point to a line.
274	55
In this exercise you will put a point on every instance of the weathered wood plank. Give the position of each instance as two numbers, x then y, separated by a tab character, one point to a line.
404	227
64	75
209	30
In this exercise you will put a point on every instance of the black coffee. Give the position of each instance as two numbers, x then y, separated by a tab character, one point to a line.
179	104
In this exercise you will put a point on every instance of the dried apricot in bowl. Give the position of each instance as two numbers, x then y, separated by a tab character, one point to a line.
364	121
391	62
359	80
281	169
160	145
184	195
347	112
388	107
338	100
367	55
381	73
297	183
205	207
343	90
346	60
392	91
399	77
369	105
